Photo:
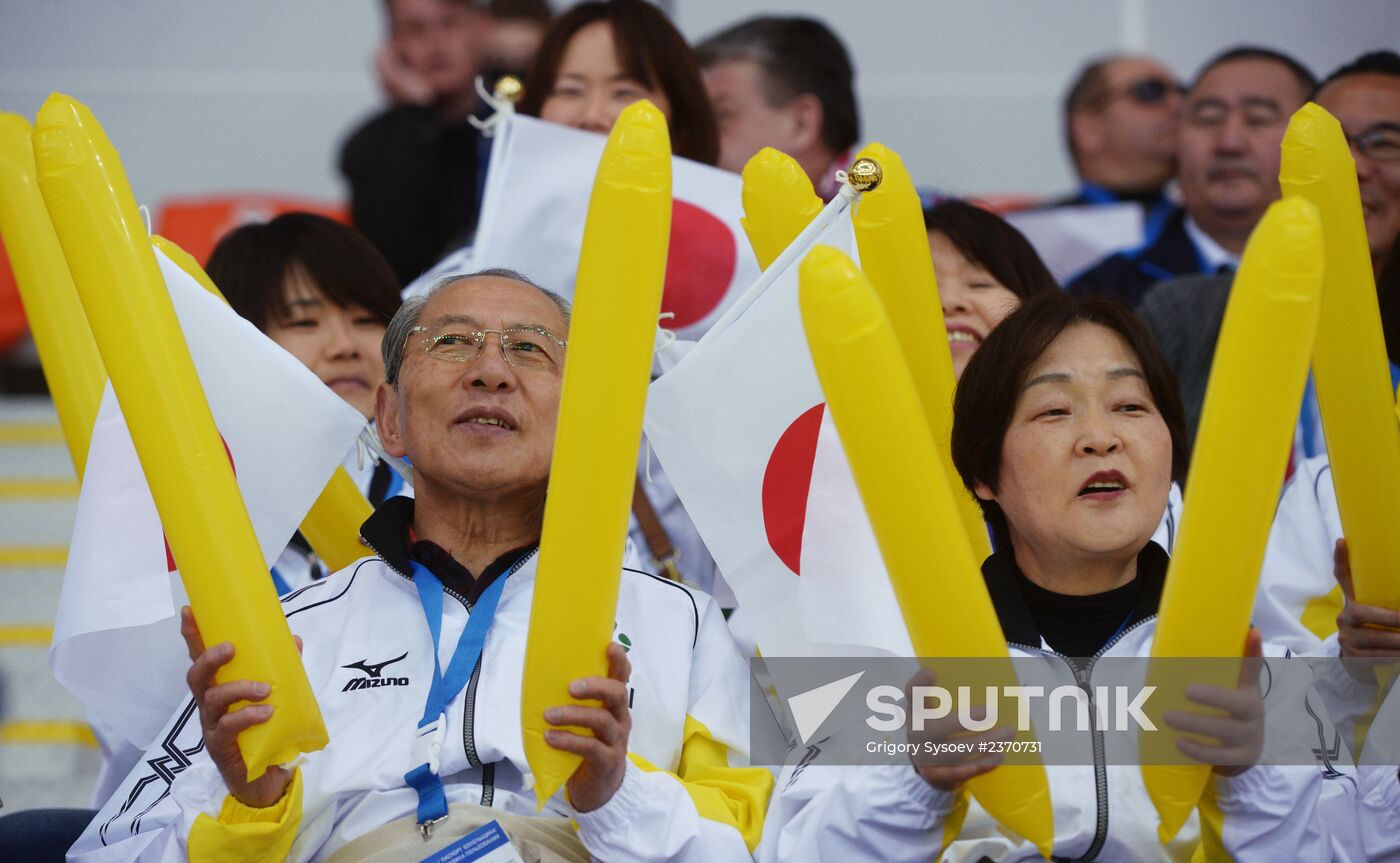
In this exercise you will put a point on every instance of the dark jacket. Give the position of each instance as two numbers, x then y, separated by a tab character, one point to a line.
1128	275
1184	316
415	185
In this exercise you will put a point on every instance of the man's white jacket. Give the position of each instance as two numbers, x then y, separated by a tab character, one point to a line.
1298	599
1101	811
368	654
1380	783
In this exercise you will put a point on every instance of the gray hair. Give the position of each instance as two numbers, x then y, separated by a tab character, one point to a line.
407	317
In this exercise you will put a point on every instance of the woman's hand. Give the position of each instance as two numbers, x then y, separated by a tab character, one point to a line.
221	727
1241	731
948	770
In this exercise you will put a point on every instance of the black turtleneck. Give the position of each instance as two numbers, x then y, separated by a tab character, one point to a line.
1080	625
1076	626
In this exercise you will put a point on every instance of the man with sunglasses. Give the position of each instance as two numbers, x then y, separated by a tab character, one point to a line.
1185	314
425	741
1232	123
1120	117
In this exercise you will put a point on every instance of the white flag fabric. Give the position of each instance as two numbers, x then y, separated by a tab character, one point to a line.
535	204
741	427
117	644
738	425
1072	239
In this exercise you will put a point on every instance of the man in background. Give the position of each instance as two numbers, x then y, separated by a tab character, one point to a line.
1120	118
416	168
1227	172
786	83
1185	314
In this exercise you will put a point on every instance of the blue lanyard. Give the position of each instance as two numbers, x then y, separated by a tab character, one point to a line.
432	728
1310	418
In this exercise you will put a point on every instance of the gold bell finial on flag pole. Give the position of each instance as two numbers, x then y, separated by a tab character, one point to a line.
865	175
508	88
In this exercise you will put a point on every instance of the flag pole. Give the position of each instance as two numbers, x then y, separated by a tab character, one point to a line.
865	176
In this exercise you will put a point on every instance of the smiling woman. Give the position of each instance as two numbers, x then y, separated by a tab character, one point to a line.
603	55
985	270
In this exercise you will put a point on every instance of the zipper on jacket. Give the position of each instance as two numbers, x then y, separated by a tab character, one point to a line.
1081	678
488	773
469	717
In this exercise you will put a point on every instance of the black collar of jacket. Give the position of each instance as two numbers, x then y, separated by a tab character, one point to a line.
1002	576
386	532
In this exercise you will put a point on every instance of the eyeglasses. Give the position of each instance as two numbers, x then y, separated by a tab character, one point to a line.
527	347
1149	91
1381	144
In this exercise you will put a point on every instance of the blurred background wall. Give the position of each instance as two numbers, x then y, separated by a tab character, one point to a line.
256	95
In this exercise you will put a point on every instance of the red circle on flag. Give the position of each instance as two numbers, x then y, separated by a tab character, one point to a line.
699	265
786	482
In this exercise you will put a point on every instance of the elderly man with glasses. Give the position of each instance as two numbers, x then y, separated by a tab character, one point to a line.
425	741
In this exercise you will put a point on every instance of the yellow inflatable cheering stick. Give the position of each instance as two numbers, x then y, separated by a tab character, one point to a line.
332	525
1251	409
617	299
185	261
912	510
72	366
894	253
1349	360
778	203
133	320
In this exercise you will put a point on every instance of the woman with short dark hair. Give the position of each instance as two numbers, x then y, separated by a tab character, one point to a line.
602	55
1068	429
318	289
988	398
324	294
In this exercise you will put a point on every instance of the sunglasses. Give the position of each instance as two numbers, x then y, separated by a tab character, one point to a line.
1152	91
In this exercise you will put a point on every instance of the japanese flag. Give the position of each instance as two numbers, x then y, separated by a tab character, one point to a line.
740	426
536	202
117	644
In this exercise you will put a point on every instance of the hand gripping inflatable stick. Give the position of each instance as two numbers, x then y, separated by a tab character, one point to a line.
617	298
1349	359
1251	408
114	267
72	366
911	505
